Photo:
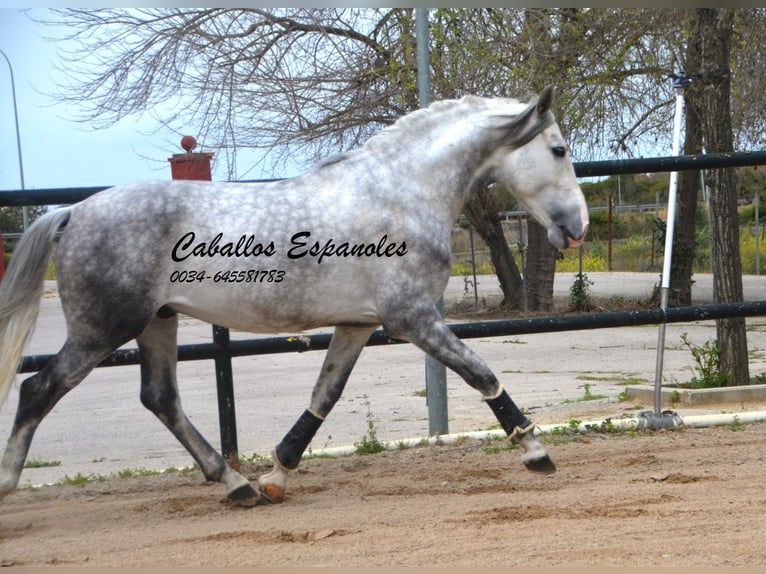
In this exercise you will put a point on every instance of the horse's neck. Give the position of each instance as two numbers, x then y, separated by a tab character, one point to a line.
436	155
457	171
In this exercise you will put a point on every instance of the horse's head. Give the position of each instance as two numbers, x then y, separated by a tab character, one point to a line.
534	165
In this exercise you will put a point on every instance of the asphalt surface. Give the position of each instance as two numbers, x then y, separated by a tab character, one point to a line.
101	427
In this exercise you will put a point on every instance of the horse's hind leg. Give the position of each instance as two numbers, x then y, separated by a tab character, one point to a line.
427	330
38	395
346	346
159	393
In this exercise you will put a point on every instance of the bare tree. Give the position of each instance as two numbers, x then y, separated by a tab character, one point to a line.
300	83
303	83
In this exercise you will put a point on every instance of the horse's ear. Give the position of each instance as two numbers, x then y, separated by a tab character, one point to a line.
545	101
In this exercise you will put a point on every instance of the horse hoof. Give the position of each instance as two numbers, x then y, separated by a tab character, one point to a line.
245	496
542	465
272	493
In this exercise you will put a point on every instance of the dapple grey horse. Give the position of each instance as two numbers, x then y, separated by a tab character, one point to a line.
361	240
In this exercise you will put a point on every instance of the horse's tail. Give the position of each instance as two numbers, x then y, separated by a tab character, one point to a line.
21	290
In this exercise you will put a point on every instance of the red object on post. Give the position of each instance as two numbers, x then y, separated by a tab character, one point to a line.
195	166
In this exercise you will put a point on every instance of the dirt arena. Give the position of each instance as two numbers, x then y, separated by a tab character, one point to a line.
690	497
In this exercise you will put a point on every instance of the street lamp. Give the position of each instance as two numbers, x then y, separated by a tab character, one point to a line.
24	211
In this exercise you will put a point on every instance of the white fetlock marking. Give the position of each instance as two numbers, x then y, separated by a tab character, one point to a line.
274	482
519	434
533	448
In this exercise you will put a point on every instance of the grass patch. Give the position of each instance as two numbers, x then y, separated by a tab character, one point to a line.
42	463
136	472
736	425
499	445
587	396
80	479
606	379
255	457
632	381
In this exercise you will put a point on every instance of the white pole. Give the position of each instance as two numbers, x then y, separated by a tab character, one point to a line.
678	85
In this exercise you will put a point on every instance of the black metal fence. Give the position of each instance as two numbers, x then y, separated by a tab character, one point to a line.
223	349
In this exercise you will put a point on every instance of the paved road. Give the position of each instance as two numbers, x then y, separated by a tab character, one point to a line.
101	427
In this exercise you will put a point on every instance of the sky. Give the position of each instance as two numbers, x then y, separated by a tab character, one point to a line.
58	152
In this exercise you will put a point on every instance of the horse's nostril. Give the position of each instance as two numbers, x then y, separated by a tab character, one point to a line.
570	241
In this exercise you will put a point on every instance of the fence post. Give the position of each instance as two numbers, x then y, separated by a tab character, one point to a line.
196	166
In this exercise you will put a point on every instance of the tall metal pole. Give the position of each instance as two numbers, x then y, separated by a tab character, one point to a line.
24	210
423	57
436	373
679	84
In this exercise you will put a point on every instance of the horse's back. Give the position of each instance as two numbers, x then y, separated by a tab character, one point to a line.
261	257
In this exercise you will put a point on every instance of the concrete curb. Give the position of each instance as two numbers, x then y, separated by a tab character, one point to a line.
678	395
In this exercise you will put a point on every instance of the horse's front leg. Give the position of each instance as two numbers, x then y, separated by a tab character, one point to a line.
425	328
346	346
159	393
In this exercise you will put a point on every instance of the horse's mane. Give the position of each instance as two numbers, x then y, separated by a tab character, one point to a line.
416	121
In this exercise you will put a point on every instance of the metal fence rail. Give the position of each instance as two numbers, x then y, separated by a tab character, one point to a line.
471	330
67	195
223	349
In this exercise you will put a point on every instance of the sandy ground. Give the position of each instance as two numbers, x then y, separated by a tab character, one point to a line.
692	497
689	497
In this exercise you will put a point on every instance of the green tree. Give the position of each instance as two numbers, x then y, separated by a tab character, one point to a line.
12	218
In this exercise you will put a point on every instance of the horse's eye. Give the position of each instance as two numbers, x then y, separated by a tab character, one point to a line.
559	151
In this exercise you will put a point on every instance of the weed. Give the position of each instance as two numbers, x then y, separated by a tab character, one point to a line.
736	424
587	396
572	427
137	472
80	479
632	381
506	446
369	443
606	426
579	298
708	361
590	396
255	457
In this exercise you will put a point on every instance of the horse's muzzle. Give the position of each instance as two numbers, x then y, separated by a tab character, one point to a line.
574	242
571	229
564	237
